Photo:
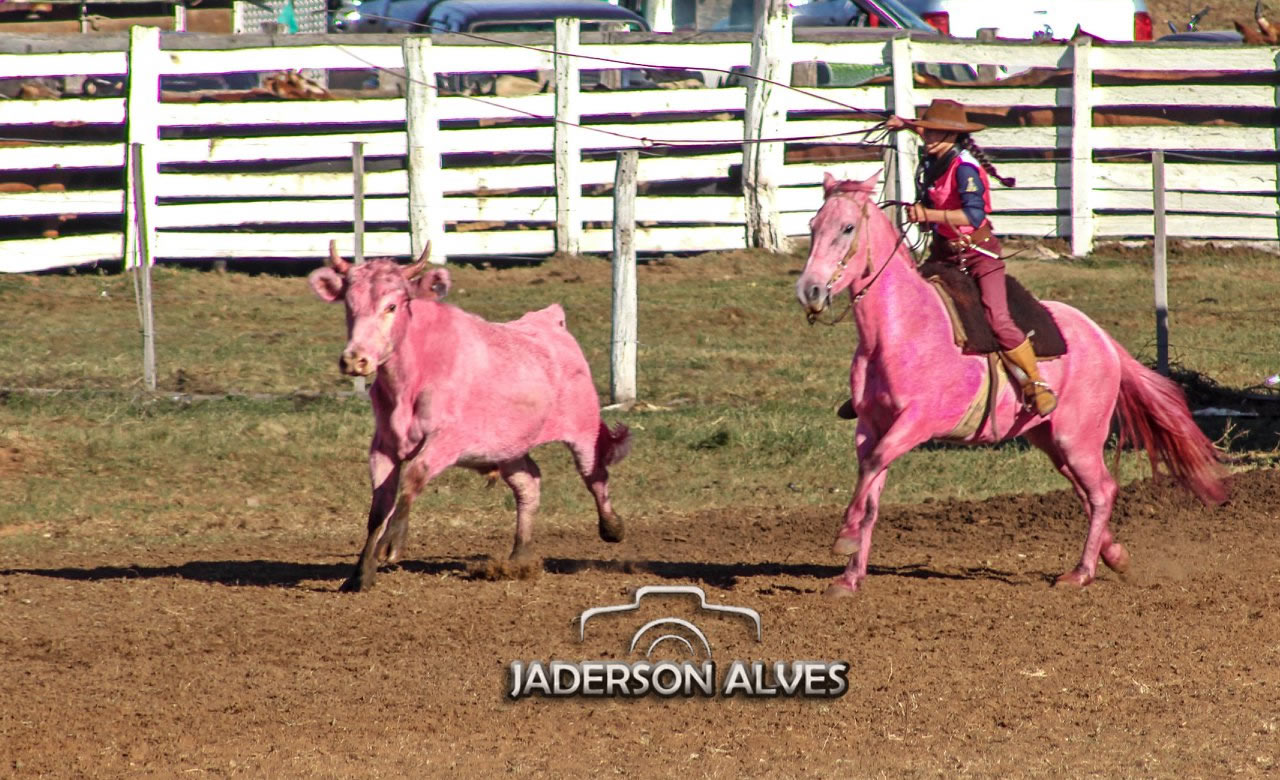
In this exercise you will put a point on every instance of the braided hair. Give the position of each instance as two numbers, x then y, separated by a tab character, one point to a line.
965	141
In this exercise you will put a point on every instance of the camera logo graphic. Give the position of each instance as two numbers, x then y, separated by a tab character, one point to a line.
696	676
667	623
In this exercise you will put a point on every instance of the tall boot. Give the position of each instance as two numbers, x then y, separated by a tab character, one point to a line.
1036	394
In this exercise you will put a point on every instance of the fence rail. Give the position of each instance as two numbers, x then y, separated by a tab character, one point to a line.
273	179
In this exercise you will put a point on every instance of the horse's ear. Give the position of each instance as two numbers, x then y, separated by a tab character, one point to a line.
869	184
829	184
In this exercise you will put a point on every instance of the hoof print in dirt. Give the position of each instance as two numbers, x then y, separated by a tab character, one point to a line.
354	585
525	567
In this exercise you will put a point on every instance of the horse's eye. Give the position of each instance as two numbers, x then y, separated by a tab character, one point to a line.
391	308
848	229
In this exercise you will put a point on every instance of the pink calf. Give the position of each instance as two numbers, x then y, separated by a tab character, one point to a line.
455	389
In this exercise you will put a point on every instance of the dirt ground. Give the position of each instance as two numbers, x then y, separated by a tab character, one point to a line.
245	661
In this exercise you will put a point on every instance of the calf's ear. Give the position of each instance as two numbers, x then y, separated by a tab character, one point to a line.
433	285
328	284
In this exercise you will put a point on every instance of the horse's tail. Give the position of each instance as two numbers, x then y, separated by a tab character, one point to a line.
1154	414
612	445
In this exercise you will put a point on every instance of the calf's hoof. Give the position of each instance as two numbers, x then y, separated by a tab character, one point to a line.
845	545
839	590
611	528
1073	580
1116	557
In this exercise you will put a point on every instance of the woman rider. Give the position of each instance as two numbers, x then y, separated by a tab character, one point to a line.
955	199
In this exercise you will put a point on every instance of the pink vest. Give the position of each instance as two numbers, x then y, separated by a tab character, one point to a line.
943	195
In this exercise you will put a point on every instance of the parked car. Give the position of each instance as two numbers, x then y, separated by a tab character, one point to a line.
1193	34
493	16
1112	20
1203	36
478	16
888	14
865	14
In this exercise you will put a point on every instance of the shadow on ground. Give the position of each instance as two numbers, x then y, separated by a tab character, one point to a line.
259	573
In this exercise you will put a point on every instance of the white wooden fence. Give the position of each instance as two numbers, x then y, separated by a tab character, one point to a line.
267	179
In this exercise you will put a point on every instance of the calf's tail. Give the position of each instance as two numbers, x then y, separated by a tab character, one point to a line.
1154	414
612	445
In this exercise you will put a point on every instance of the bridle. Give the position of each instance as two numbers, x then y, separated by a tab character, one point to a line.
841	266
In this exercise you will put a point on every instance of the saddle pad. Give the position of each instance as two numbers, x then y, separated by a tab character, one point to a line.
973	335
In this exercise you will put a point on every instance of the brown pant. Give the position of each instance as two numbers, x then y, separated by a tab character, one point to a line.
988	272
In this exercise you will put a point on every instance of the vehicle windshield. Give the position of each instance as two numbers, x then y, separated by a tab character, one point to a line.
833	13
900	12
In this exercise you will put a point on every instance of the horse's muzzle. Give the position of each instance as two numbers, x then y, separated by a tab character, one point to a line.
813	297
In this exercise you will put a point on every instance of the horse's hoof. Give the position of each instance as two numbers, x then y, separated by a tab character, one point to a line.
611	529
838	590
523	553
845	545
1074	579
1116	557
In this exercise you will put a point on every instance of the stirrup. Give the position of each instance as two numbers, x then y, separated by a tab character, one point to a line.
1029	400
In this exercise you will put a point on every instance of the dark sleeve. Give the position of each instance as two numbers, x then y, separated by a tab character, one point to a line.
969	185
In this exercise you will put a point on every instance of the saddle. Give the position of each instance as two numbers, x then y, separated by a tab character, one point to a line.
959	292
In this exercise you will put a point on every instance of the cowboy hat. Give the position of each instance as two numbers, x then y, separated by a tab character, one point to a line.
945	115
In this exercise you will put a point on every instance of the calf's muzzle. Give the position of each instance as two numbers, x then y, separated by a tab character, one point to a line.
353	363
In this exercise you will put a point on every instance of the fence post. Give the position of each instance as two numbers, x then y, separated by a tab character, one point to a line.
766	117
568	142
613	77
357	222
987	72
138	195
142	106
622	363
1081	148
357	200
1160	246
426	197
906	144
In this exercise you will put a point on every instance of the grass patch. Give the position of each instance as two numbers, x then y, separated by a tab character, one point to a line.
745	390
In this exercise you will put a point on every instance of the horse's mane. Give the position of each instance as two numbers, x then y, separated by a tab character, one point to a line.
851	186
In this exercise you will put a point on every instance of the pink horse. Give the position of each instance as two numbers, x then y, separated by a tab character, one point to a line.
910	383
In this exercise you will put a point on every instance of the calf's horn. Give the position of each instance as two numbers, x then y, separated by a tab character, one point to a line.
335	259
415	270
